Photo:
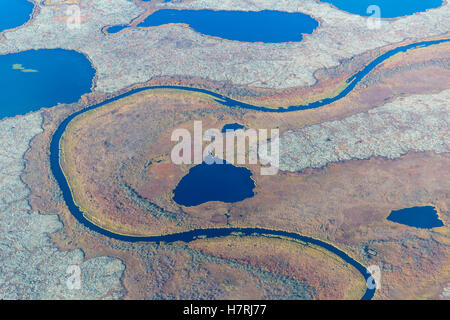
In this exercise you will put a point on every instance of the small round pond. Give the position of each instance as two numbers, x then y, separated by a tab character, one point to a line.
222	182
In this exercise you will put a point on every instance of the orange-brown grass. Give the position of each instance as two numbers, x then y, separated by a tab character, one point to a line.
328	274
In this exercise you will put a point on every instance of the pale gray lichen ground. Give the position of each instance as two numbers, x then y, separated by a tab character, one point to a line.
138	55
31	267
417	123
445	295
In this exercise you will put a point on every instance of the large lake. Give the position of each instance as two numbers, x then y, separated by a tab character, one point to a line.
247	26
14	13
388	8
34	79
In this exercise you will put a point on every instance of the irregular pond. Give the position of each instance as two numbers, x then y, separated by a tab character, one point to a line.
232	127
267	26
419	217
388	8
214	182
14	13
42	78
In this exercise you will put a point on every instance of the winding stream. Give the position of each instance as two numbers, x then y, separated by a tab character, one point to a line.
193	235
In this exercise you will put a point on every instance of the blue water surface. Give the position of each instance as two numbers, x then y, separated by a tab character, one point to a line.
214	182
14	13
34	79
388	8
247	26
425	217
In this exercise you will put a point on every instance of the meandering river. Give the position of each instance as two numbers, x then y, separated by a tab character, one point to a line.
187	236
192	235
42	73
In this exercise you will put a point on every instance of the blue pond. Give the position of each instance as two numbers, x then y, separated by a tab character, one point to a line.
388	8
117	28
252	26
232	127
42	78
14	13
214	182
419	217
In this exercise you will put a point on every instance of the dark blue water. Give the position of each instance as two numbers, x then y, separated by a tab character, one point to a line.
419	217
351	84
34	79
14	13
388	8
253	26
232	127
214	182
